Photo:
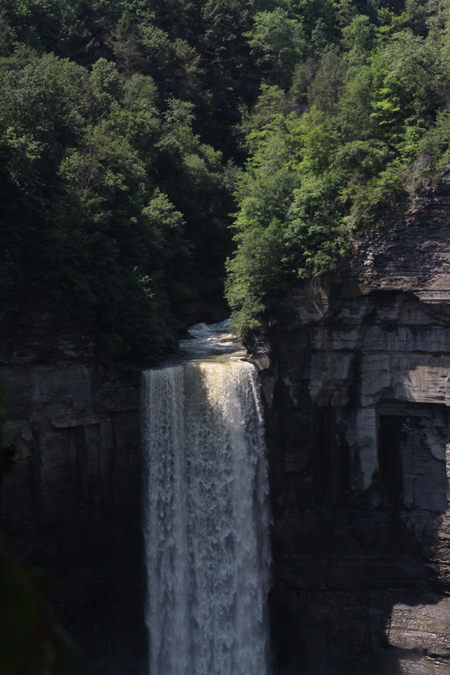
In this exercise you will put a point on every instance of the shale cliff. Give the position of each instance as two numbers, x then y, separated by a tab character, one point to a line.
357	392
357	395
71	507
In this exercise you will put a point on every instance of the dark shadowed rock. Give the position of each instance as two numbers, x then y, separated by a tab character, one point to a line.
357	391
71	507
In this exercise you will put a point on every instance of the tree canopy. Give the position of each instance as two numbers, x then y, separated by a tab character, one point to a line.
141	141
362	124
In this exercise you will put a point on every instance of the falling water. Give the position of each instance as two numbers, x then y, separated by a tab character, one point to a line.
207	519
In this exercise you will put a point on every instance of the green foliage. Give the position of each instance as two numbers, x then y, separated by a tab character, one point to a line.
372	125
121	195
288	226
122	124
277	43
328	83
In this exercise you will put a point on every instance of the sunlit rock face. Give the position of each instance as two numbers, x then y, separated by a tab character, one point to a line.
358	395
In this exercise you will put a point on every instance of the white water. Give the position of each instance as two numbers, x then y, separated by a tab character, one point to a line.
207	518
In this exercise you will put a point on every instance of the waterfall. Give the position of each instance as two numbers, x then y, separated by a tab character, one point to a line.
207	519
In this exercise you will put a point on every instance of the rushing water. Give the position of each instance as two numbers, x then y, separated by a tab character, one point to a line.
207	519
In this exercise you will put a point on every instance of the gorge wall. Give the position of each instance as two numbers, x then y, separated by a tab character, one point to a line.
71	507
357	391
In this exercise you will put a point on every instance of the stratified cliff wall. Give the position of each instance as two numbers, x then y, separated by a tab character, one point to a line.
357	395
71	507
357	392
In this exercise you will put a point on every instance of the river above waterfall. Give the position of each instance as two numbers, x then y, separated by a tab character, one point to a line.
206	511
209	340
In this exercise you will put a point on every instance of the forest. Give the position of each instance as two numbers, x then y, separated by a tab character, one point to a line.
154	152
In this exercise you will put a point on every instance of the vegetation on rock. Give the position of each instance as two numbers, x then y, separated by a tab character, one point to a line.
363	122
131	129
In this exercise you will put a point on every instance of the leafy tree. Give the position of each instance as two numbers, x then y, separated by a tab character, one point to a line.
90	162
328	83
130	131
376	128
277	44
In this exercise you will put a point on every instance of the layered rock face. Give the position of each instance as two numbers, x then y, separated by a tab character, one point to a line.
71	507
358	392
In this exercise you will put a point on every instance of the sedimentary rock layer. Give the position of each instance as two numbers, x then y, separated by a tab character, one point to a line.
357	393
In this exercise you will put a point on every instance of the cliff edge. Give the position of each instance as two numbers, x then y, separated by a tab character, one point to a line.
357	392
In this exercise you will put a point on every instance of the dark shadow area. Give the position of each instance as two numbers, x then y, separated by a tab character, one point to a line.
358	584
390	458
71	506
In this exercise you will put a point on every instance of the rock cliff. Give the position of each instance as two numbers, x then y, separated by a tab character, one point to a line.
357	393
71	507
